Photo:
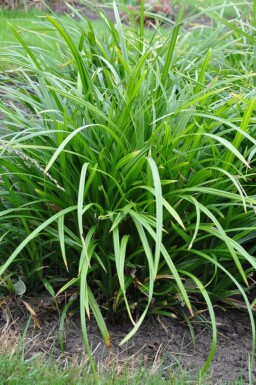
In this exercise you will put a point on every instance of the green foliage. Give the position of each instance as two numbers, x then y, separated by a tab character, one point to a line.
127	166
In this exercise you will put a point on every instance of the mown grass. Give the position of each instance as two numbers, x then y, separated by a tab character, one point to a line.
36	371
16	371
127	166
33	27
26	23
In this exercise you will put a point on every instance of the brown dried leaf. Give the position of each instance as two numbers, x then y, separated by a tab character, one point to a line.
33	315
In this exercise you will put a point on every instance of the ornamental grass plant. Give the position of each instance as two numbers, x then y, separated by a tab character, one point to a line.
127	164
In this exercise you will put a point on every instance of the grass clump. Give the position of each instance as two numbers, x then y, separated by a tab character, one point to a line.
127	166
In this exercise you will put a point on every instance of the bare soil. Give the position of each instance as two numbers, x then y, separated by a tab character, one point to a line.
158	340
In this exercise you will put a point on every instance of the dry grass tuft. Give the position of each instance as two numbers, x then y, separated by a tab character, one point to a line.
9	340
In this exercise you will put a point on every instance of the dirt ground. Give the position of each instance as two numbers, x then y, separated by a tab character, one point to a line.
164	340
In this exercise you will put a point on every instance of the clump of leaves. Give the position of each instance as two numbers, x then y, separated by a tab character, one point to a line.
129	172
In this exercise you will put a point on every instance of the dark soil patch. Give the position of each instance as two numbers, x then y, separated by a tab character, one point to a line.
164	339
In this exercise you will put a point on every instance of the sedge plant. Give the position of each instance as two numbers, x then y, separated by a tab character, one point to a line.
127	165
